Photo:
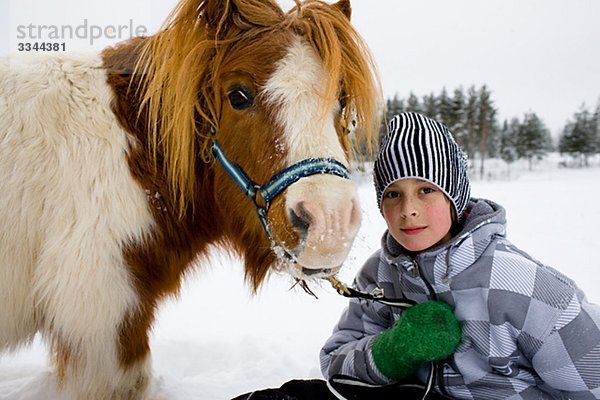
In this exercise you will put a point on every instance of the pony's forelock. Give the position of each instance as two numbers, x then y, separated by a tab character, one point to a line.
181	96
346	56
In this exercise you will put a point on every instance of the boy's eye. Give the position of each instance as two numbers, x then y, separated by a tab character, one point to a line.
427	190
391	195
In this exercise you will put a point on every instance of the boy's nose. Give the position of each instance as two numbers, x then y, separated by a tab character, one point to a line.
410	214
409	209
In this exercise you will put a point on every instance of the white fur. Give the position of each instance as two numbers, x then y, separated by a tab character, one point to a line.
68	205
297	86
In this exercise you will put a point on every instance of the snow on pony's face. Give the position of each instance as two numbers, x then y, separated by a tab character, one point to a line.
418	214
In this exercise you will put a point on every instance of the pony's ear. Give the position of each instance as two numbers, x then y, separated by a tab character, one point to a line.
344	7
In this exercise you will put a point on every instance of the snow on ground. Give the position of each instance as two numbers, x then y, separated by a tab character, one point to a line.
217	340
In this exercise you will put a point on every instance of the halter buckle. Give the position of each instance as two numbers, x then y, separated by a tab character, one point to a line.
259	200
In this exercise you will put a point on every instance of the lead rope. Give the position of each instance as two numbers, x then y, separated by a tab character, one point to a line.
378	295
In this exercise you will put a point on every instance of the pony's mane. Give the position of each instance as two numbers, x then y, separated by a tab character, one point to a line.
177	66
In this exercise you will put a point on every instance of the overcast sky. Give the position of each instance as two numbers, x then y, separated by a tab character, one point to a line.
535	55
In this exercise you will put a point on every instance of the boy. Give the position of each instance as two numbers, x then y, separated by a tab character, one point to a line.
527	331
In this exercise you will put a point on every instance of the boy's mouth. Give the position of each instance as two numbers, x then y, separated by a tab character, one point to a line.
413	230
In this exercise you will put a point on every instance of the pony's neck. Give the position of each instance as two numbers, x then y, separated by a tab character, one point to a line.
120	62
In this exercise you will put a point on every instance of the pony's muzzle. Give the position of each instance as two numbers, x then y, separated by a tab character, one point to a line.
313	217
326	222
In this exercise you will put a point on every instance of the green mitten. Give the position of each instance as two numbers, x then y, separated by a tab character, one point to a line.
425	332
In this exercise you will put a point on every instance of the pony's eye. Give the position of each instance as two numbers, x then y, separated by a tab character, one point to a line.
240	98
343	102
343	99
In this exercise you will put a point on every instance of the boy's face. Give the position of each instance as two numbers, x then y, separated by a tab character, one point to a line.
418	214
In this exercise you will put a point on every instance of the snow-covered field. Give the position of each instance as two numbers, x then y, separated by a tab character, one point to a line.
217	340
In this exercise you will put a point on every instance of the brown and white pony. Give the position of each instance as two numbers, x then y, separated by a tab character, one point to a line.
109	192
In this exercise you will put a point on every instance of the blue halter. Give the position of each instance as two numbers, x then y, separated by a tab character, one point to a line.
262	196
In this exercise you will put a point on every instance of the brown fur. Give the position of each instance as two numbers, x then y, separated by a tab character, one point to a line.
62	358
171	87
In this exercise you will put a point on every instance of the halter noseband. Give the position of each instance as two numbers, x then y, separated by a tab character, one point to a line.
262	196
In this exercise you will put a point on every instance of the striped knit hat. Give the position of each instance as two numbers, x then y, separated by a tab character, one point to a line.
418	147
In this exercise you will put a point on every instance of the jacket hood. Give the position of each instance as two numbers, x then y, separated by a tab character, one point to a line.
484	221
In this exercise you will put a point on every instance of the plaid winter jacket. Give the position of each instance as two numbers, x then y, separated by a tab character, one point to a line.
528	331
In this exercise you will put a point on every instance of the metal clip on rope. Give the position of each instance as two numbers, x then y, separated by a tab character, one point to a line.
376	294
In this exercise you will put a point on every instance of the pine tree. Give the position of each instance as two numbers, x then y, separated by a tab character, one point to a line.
596	126
471	121
396	106
393	107
445	108
413	104
485	126
533	140
567	144
430	106
508	140
455	118
579	138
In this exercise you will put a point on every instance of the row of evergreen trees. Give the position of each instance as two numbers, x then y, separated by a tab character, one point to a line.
581	136
473	119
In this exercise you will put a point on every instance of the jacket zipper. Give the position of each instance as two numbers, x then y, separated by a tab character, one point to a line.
438	368
417	269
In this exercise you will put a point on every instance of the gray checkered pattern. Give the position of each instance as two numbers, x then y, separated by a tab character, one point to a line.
528	331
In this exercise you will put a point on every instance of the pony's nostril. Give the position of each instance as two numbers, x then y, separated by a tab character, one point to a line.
301	218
